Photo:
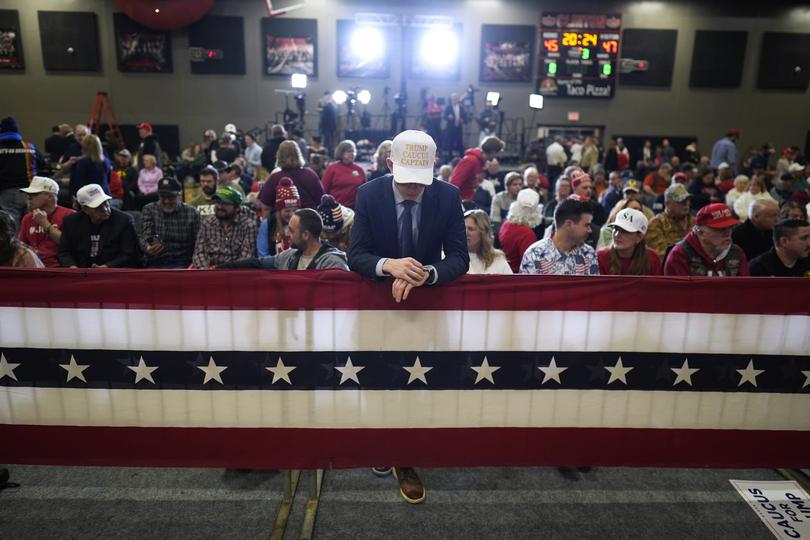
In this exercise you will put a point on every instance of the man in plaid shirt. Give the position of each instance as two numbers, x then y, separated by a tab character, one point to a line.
169	228
227	236
565	252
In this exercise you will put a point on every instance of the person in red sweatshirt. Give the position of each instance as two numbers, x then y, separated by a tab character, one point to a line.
517	232
473	162
708	249
343	176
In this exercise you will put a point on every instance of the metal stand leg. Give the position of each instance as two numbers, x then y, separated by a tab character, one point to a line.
311	512
283	514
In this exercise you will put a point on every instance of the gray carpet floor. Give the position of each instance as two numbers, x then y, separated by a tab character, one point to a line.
514	503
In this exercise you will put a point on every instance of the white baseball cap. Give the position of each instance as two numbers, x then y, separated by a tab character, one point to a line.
413	154
631	220
92	195
723	165
230	128
40	184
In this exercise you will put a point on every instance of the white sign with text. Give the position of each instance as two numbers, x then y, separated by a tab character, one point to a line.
783	506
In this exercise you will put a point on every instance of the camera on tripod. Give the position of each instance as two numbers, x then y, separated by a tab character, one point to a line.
469	96
351	102
401	100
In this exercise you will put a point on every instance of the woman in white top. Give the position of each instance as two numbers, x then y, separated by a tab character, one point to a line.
484	258
756	191
740	187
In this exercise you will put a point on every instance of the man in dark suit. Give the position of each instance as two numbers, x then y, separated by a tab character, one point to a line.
402	223
382	245
455	114
99	236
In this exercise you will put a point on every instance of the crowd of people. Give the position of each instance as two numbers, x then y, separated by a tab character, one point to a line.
581	210
405	216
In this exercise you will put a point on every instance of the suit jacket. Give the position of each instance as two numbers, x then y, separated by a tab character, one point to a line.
441	228
118	246
450	115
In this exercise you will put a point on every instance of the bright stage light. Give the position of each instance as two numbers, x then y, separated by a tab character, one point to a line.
364	96
535	101
339	96
298	80
493	98
439	47
367	42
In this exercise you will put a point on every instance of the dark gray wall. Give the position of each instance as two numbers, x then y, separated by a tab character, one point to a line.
197	102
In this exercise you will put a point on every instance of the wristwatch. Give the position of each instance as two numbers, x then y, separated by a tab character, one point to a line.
432	276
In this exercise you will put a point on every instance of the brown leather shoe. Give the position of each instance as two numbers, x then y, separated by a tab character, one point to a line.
410	487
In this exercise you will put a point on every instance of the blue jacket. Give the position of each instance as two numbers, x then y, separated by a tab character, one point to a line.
19	161
441	228
86	172
724	150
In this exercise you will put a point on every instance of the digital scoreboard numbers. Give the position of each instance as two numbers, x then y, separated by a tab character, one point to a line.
578	55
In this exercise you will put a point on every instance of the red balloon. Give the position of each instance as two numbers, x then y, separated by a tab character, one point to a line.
165	14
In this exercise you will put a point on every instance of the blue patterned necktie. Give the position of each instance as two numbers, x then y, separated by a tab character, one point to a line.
406	247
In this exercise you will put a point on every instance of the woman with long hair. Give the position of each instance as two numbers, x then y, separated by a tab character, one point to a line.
606	232
13	252
338	221
381	157
517	232
484	258
793	210
92	168
756	191
629	254
273	234
343	176
290	164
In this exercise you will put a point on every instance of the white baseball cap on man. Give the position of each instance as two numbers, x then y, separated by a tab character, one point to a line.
631	220
40	184
413	154
92	196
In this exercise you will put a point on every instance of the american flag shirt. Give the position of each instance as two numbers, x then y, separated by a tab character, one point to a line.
543	257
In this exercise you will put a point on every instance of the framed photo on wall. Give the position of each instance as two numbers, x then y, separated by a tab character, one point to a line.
507	52
140	49
69	40
11	56
362	51
290	46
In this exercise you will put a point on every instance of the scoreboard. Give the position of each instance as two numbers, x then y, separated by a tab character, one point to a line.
578	55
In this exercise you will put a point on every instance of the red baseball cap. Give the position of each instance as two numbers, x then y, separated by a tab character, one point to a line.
580	198
716	216
144	125
578	176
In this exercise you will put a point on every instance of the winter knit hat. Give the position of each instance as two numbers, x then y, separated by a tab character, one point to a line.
331	213
9	125
287	194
